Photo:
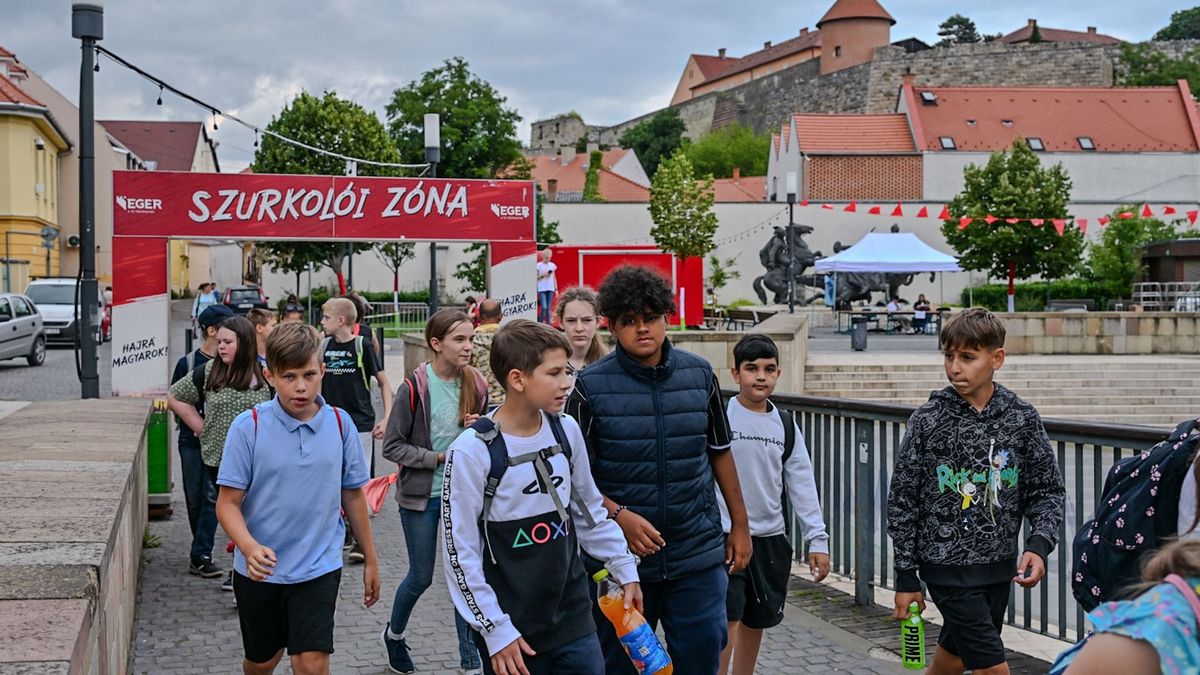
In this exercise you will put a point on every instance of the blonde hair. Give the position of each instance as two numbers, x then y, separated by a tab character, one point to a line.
439	326
261	317
342	307
583	294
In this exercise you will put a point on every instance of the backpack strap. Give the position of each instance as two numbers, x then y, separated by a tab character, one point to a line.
199	374
789	432
1188	592
560	437
488	431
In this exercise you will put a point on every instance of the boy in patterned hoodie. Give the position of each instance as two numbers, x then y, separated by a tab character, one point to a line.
974	461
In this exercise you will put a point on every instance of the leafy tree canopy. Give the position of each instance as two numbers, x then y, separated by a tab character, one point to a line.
682	209
958	30
655	139
1115	259
1185	25
1144	66
1013	184
735	146
479	134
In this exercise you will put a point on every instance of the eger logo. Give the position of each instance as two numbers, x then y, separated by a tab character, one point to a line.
138	204
510	212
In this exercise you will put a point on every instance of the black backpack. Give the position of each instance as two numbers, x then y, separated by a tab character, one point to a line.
1136	514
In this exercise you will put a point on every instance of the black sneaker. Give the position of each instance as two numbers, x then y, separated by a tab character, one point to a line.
397	651
355	556
227	585
348	542
205	568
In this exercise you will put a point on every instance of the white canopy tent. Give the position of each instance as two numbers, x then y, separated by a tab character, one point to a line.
902	252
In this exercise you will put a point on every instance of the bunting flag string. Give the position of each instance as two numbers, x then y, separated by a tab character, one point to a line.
1060	224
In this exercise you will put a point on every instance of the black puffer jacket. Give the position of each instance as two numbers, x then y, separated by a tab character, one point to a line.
962	483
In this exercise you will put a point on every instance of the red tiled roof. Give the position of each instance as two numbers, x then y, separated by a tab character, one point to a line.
4	52
11	93
572	176
615	188
854	133
744	189
172	145
1058	35
1145	119
711	65
809	40
856	9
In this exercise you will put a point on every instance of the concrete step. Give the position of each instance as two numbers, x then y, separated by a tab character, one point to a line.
1016	384
1112	399
923	364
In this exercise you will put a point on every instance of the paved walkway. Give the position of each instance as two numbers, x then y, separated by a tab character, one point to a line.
188	625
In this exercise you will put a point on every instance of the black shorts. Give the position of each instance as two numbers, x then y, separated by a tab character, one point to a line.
757	594
296	616
972	620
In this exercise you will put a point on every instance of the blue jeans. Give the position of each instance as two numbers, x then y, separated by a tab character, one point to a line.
544	300
201	500
692	610
421	541
581	657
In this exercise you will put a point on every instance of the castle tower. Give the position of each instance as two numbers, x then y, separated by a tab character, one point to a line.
851	31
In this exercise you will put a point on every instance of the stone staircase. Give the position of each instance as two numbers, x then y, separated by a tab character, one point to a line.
1155	391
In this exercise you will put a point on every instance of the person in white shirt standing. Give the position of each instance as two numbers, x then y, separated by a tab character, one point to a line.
547	285
771	457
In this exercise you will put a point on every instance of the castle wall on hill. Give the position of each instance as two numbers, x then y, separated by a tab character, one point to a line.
763	104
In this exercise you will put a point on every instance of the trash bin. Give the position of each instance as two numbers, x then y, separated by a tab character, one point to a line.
858	333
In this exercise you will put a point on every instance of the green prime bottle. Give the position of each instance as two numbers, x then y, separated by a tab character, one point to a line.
912	639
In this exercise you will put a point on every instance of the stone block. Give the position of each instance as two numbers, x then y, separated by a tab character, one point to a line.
1104	344
1185	344
1132	325
1141	344
1185	325
1014	325
1016	345
1162	344
1166	327
1120	344
1114	327
1147	327
40	630
1074	326
1035	327
1054	326
1094	326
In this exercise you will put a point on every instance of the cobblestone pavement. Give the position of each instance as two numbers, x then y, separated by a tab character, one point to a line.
186	624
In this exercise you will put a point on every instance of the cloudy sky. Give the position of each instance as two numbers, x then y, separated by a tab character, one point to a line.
607	59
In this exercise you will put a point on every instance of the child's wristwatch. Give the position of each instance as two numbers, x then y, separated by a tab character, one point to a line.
616	512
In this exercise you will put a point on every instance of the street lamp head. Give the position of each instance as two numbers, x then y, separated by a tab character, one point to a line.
87	20
433	138
791	186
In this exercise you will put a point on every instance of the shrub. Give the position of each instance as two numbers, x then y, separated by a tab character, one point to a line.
1031	296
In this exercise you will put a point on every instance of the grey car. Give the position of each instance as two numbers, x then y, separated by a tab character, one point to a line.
22	331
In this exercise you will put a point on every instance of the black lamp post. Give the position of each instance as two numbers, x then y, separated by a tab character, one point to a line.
87	24
791	241
433	155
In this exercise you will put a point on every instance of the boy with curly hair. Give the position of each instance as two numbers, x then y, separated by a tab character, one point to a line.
658	437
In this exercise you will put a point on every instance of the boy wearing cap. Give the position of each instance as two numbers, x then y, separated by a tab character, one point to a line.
198	491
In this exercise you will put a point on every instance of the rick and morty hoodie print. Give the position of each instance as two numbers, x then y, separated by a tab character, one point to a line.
962	483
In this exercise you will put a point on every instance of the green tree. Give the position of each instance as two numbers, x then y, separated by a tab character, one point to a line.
479	134
591	182
334	124
735	146
1013	184
721	272
1115	259
958	30
682	210
1142	65
1185	25
1035	36
655	139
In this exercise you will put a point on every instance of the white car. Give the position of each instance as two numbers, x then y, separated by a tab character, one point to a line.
55	297
21	331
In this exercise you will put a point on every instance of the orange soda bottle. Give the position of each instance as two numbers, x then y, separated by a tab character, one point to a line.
639	641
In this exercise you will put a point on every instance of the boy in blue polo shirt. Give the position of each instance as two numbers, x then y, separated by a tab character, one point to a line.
288	465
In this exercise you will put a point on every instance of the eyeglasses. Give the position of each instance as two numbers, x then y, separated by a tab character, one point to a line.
292	308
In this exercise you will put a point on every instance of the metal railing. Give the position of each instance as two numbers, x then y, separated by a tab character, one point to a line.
403	316
853	446
1168	296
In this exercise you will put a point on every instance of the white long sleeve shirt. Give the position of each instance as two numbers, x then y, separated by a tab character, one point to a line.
527	515
758	446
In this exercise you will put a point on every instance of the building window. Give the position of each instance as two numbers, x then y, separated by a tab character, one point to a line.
1086	144
556	128
1036	144
837	52
541	132
928	98
947	143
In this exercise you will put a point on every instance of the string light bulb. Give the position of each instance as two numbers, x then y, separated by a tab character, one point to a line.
215	127
256	138
160	93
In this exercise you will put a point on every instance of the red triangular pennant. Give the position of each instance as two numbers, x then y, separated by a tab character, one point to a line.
1192	217
1168	210
898	212
803	202
1037	222
827	206
852	208
1146	212
1012	221
875	210
945	214
989	218
924	212
1125	215
1060	225
964	222
1082	223
1103	220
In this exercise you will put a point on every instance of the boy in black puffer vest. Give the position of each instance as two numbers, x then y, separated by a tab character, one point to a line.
658	436
974	462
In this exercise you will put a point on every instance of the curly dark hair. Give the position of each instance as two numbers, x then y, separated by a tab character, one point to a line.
640	290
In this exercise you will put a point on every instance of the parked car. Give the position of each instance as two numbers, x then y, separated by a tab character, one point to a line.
242	299
22	334
55	298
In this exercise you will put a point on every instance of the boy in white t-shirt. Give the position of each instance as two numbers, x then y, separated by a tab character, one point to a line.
547	285
770	458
